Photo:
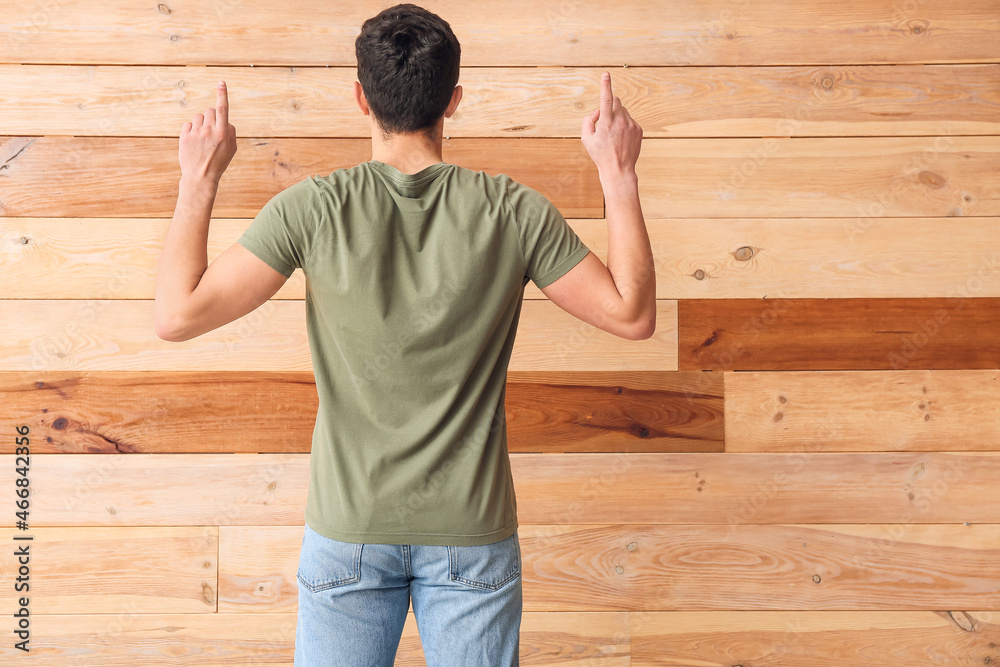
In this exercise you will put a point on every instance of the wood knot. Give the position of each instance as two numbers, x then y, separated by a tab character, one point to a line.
782	399
164	9
816	578
24	240
931	180
962	620
827	82
174	38
744	253
779	416
699	275
632	546
643	432
619	569
60	423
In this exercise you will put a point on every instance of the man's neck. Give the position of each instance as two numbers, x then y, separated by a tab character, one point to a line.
409	153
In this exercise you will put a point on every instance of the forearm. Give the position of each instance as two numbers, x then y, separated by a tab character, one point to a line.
630	258
185	254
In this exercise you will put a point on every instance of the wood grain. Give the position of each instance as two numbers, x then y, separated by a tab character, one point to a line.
504	102
136	569
862	411
520	32
841	334
815	638
128	638
188	412
111	258
580	488
118	335
569	567
76	177
678	178
846	177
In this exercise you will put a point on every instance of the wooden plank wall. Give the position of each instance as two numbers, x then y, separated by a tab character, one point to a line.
798	469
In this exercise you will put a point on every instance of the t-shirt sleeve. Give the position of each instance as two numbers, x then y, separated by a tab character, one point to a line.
550	246
282	232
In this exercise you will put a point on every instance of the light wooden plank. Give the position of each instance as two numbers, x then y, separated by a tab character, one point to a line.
840	334
110	258
129	638
101	570
678	178
570	567
815	638
846	177
505	102
118	335
583	488
74	177
180	411
862	411
520	32
690	567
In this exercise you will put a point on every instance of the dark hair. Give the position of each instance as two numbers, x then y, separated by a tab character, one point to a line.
408	61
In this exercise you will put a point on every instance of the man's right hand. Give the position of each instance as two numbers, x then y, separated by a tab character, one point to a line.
610	135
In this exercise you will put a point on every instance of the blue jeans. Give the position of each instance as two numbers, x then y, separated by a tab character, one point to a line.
353	601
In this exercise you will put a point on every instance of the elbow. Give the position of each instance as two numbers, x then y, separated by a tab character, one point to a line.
170	328
641	330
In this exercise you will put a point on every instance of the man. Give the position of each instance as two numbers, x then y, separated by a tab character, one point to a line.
415	271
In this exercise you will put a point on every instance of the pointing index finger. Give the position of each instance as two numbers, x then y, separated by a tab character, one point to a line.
606	95
222	104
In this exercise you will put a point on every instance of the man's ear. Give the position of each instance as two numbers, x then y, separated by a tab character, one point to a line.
456	97
359	97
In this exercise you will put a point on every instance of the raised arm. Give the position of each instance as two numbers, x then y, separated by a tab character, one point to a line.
619	298
191	296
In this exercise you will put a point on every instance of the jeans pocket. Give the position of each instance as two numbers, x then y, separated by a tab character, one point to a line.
325	563
488	566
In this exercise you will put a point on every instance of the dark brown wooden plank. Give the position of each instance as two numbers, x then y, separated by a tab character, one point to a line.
841	334
145	412
517	32
137	177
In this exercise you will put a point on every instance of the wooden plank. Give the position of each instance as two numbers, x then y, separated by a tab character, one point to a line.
853	177
183	411
520	32
840	334
570	567
862	411
678	178
145	570
111	258
74	176
129	638
582	488
504	102
118	335
815	638
847	177
853	567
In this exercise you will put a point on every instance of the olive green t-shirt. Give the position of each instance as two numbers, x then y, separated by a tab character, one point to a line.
413	292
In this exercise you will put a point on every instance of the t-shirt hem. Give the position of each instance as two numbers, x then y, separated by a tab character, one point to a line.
563	267
440	539
261	252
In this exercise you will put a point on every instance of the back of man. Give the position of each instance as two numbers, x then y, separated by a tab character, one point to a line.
414	287
415	271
